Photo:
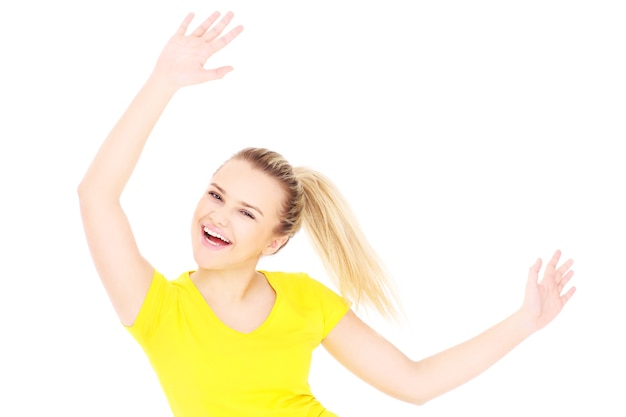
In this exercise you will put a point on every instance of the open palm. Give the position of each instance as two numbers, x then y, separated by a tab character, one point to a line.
182	61
544	299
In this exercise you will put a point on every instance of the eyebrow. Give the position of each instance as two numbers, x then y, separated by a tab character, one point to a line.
243	203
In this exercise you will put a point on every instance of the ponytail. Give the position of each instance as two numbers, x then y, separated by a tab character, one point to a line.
347	255
314	202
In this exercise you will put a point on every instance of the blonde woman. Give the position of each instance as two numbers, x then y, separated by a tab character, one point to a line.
229	340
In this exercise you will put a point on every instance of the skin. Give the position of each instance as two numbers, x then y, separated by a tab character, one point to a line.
125	273
355	344
227	275
239	204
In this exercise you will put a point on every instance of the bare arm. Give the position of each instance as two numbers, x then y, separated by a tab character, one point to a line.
382	365
126	275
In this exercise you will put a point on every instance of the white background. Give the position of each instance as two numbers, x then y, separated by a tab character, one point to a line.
470	138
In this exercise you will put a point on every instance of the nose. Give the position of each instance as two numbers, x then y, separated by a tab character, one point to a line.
219	217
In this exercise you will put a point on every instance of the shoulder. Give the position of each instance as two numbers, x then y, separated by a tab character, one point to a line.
163	290
303	288
309	297
164	298
293	281
160	280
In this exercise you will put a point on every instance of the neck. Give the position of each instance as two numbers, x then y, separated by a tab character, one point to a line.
230	284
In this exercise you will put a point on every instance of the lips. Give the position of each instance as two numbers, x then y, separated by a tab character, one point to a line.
214	238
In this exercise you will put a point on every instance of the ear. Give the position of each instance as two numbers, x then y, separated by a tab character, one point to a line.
275	244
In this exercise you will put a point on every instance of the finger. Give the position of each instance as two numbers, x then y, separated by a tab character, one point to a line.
566	297
204	26
565	267
218	44
564	280
217	73
219	28
533	271
182	29
554	261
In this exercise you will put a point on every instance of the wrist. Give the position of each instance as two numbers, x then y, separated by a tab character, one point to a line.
525	322
161	85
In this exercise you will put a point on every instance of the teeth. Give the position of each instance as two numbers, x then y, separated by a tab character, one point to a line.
217	235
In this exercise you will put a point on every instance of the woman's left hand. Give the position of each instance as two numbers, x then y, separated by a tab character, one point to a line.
545	299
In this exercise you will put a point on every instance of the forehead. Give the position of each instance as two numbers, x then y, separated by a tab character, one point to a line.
243	183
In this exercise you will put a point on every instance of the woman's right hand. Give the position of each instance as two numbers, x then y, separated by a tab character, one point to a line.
182	61
125	273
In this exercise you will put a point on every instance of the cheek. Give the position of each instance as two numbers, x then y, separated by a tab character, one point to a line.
252	232
202	207
197	214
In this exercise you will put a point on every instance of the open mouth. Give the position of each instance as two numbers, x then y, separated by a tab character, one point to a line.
214	238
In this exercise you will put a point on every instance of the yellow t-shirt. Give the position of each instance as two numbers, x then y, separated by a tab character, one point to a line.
207	369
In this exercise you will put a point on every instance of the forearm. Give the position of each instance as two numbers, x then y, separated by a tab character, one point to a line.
378	362
117	157
453	367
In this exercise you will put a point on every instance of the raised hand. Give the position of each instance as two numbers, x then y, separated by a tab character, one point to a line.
544	299
182	61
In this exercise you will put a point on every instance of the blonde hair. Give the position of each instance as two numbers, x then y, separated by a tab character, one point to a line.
316	204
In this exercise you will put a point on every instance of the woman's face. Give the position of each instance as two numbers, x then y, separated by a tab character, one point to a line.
235	220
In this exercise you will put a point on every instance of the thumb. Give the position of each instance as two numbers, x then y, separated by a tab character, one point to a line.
533	272
216	74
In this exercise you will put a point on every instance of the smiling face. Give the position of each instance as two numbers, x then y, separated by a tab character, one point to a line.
235	221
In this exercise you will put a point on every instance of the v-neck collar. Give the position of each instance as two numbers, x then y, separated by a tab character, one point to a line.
215	319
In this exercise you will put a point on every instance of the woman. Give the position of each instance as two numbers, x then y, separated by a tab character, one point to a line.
229	340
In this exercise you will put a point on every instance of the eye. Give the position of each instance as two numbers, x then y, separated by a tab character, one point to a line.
248	214
215	195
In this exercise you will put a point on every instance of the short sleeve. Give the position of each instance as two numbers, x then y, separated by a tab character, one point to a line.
152	310
334	307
